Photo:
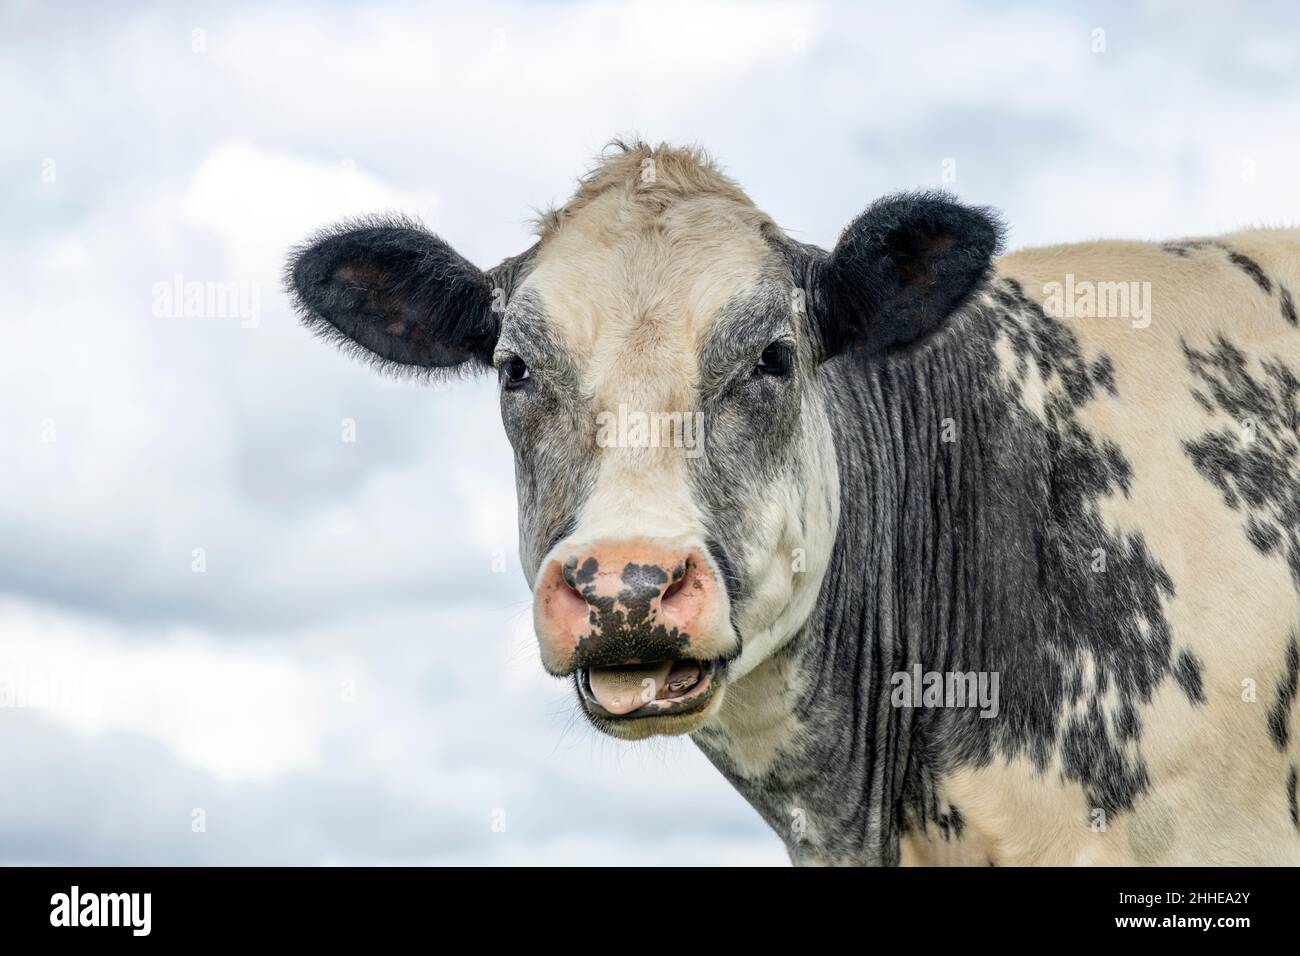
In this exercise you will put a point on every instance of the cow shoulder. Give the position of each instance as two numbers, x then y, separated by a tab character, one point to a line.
1194	392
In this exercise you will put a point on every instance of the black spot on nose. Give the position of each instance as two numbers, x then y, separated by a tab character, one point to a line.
644	578
577	577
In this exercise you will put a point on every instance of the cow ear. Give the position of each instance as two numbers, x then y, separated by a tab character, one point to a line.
901	268
408	299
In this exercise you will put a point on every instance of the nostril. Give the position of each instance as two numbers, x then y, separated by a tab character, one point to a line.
570	599
560	609
677	589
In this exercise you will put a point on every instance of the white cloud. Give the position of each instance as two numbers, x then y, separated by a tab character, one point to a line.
260	203
231	712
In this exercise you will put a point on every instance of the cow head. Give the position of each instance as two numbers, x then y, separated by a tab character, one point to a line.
658	353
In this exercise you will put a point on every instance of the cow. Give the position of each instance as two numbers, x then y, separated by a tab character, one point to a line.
940	555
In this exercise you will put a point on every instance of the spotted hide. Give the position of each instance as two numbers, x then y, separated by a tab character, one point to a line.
971	559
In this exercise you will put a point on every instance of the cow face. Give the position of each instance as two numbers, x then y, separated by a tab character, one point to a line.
658	352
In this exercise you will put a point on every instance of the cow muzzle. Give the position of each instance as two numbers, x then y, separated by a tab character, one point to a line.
643	626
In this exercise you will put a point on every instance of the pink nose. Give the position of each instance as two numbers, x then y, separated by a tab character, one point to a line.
629	601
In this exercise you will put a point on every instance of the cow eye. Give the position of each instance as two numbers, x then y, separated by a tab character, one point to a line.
777	359
514	372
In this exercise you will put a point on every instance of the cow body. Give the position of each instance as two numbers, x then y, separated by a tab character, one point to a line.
980	562
1114	529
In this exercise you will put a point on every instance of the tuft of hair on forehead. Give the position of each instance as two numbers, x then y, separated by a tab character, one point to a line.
651	177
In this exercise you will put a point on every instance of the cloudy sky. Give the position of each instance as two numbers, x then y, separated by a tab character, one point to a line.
229	635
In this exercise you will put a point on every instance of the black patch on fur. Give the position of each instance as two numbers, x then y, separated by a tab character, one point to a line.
1251	458
951	824
1243	262
1249	266
1083	594
1265	537
1293	801
1103	374
1288	306
1185	246
1279	716
1116	614
900	269
1188	673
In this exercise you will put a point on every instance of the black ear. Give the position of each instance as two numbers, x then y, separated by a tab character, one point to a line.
901	268
399	292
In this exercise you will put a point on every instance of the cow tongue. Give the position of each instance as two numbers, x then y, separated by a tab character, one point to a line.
621	690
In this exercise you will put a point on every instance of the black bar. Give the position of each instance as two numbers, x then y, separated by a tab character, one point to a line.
240	905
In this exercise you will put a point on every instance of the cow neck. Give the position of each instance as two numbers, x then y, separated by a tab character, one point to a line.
917	548
912	583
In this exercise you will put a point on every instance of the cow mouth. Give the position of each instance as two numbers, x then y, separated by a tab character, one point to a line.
656	689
